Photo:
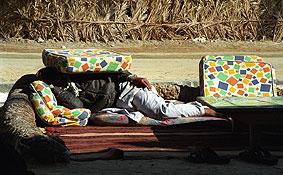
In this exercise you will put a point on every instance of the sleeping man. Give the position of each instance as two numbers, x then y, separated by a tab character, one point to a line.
125	91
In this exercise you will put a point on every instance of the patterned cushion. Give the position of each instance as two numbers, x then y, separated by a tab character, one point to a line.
247	76
45	92
41	108
121	119
47	109
86	60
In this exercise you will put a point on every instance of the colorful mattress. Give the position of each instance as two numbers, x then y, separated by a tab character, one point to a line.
86	60
121	119
247	76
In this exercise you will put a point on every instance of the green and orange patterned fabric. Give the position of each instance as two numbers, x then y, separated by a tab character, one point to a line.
86	60
46	107
248	76
122	119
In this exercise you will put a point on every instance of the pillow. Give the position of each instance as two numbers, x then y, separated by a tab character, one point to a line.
47	109
41	109
45	92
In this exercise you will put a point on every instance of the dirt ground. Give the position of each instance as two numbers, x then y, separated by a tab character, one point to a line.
168	163
157	61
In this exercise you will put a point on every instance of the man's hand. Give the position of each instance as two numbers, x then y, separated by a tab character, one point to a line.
142	82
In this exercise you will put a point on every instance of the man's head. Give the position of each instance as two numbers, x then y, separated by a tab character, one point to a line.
51	76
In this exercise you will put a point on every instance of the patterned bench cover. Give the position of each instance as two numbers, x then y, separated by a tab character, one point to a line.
86	60
247	76
121	119
46	107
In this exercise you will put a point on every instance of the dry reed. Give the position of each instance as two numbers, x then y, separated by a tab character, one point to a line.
119	20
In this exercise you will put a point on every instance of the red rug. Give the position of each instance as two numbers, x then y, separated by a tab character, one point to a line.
97	138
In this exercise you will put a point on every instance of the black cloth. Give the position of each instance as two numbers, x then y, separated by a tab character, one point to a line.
66	98
116	77
97	90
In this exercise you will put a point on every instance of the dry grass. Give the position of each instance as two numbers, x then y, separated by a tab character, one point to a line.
112	20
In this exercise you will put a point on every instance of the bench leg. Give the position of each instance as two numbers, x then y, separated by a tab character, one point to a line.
255	133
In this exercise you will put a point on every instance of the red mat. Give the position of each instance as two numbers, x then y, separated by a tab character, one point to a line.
97	138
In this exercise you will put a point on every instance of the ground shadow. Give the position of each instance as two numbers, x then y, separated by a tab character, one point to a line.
215	134
188	94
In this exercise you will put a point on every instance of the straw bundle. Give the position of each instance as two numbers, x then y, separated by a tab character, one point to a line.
119	20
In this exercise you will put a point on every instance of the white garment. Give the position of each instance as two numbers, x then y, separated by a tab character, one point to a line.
135	115
150	104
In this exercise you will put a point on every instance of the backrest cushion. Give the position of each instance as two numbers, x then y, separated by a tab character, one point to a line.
45	92
47	109
247	76
41	108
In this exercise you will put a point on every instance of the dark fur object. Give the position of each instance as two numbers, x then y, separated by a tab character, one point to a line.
19	117
18	126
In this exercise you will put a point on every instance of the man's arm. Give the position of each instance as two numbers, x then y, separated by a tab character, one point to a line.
138	81
142	82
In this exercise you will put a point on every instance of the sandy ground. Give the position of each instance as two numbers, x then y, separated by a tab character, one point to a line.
158	61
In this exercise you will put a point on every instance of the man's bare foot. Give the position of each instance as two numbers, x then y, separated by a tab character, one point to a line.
211	112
